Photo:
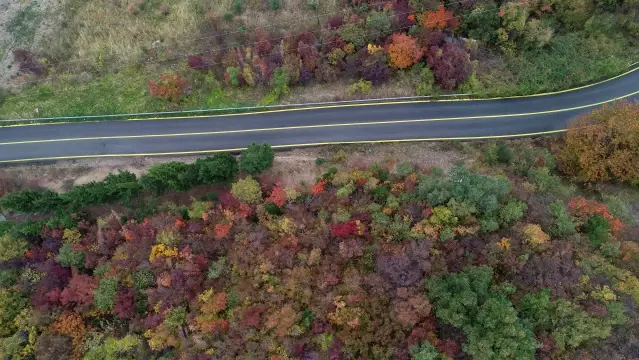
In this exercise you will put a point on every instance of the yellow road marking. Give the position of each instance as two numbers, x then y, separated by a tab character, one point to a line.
195	152
333	106
299	127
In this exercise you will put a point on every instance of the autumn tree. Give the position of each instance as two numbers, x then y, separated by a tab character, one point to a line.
439	19
603	145
404	51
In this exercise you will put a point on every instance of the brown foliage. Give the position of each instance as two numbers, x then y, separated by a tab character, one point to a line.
603	145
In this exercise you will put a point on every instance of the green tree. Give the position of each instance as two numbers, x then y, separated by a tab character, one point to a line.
11	303
498	333
30	201
219	168
378	25
127	348
104	295
564	224
425	351
598	230
512	212
482	23
487	318
12	247
69	257
257	158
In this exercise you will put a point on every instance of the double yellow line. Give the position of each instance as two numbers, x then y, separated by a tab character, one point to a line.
317	126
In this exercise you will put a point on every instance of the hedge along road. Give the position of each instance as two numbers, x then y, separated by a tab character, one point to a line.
356	123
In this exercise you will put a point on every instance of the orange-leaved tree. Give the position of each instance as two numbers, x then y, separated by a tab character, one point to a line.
404	51
603	145
168	87
439	19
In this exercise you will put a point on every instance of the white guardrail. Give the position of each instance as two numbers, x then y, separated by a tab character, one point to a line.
246	108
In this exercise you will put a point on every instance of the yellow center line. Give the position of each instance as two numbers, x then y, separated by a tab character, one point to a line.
299	127
196	152
332	106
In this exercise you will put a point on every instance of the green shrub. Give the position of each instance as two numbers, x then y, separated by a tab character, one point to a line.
175	318
238	6
29	201
274	4
175	176
489	154
143	279
487	318
425	351
572	326
611	249
217	268
273	209
320	161
12	247
446	235
211	197
121	187
546	182
8	277
564	224
404	169
426	81
116	349
620	209
69	257
219	168
104	295
198	208
11	347
353	33
11	303
257	158
346	190
598	230
378	24
168	237
512	212
247	190
504	153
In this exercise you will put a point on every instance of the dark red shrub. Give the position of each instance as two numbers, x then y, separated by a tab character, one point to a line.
197	62
253	316
28	62
335	22
399	270
124	304
450	64
344	230
79	291
262	44
375	69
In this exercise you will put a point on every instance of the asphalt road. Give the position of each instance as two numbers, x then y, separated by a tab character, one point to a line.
463	119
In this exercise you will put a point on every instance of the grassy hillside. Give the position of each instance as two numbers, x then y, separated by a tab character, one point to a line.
98	57
500	256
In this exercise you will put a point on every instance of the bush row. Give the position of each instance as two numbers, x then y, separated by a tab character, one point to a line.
124	186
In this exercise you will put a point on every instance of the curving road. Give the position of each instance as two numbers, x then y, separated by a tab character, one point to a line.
399	121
